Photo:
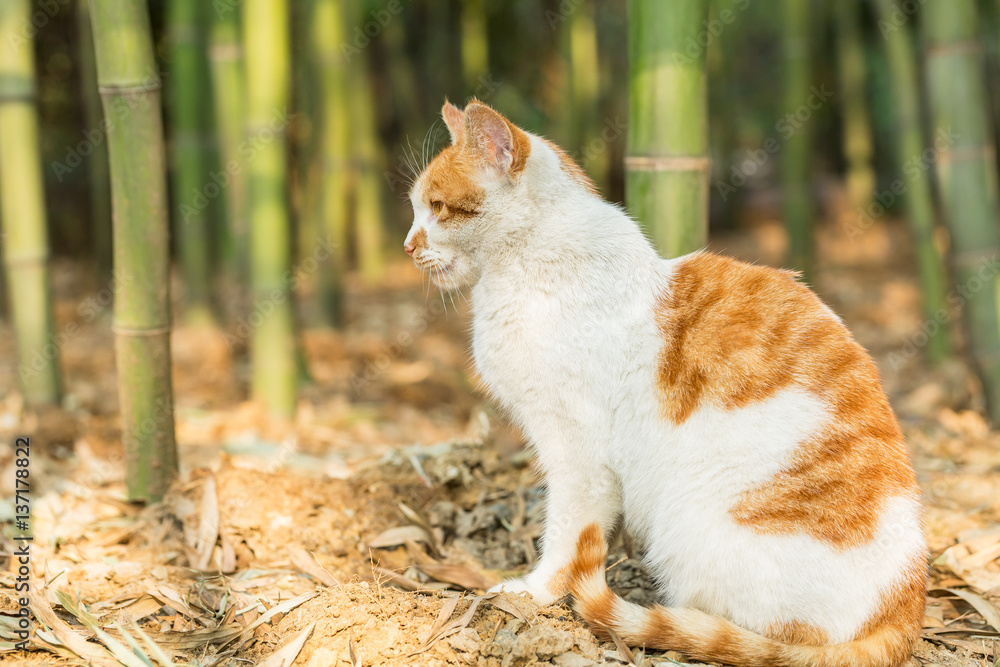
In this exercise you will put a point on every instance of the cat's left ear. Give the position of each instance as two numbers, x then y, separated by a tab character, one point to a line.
498	143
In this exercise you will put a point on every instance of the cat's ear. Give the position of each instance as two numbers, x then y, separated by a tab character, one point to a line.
498	142
454	118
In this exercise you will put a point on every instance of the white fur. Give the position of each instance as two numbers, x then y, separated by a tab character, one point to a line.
564	291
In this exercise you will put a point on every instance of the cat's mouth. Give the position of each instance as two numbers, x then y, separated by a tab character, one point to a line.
437	269
442	271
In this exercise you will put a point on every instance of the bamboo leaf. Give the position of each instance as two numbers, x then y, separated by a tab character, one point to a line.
985	609
286	655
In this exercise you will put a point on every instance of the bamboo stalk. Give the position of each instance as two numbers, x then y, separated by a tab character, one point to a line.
585	77
667	166
369	210
368	168
475	42
190	162
335	151
266	45
724	59
97	161
229	88
858	147
303	140
442	67
403	80
917	198
795	154
22	209
130	88
967	176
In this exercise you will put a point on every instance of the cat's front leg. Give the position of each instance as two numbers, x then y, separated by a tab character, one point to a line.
579	493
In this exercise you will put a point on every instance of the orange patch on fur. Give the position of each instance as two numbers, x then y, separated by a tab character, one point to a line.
736	334
598	606
798	632
900	614
450	178
591	553
574	170
522	149
559	583
419	241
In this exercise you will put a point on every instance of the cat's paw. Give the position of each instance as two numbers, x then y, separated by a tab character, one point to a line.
540	595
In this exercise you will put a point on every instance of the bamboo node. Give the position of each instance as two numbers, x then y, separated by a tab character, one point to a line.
145	86
137	333
966	153
976	257
15	87
225	52
987	359
968	47
22	259
668	163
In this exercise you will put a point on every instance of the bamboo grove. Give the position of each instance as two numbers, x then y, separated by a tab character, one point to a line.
261	151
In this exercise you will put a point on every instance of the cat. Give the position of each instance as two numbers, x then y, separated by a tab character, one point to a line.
717	410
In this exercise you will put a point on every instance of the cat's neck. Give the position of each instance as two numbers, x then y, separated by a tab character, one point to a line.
571	238
600	266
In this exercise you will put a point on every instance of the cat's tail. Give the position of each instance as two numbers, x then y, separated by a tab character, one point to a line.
701	636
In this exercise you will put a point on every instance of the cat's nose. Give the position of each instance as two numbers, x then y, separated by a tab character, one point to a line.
409	248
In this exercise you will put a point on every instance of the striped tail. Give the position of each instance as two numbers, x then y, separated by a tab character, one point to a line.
707	638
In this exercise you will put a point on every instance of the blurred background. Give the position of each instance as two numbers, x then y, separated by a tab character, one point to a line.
292	355
819	120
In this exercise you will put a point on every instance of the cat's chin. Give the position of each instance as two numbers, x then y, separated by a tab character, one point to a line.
451	276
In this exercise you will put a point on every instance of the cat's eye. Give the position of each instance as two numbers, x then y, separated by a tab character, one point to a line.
437	207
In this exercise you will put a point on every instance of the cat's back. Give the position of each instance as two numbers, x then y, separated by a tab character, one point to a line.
735	336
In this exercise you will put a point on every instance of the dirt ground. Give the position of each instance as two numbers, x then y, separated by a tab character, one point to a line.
366	532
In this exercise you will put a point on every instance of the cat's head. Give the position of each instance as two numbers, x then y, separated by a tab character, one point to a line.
481	194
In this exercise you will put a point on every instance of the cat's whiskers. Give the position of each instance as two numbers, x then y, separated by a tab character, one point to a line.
427	146
410	163
461	293
451	293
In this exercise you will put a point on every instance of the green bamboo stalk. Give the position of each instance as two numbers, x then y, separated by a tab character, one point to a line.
335	151
475	42
667	167
190	162
858	146
229	96
723	61
266	45
403	80
795	154
97	161
367	168
967	175
3	280
369	213
917	199
22	210
585	85
303	137
130	88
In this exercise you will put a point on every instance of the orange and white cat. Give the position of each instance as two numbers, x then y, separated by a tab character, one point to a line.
719	410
